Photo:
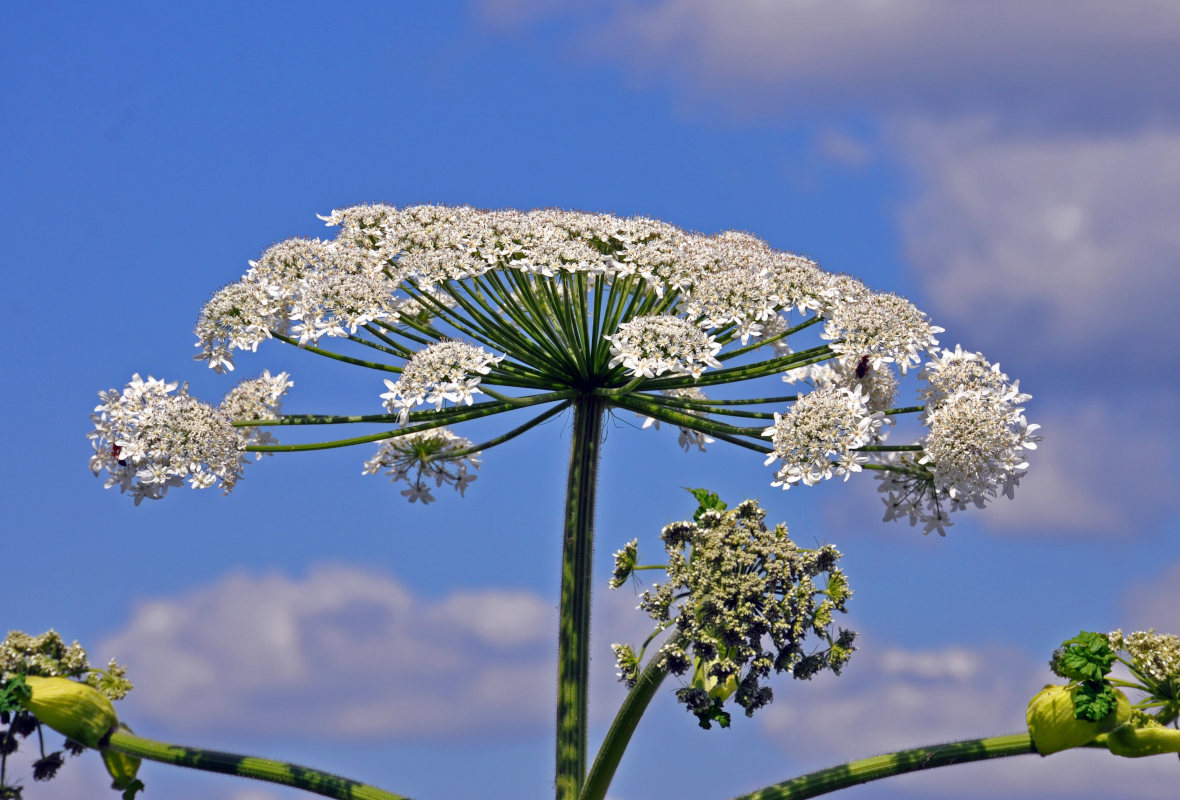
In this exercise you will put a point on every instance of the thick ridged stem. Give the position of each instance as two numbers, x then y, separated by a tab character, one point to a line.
573	638
263	769
609	754
854	773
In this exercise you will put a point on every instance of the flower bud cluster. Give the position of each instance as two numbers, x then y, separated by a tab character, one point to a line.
818	437
47	655
885	327
257	399
1155	655
742	599
150	440
423	456
446	370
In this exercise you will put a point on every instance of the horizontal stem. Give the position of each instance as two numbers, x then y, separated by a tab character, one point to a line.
888	448
360	362
263	769
865	770
512	434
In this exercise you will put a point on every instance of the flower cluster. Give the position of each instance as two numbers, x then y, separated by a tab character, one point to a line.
877	384
150	440
818	438
47	655
439	455
651	346
975	447
1155	656
257	399
742	599
447	370
635	312
885	327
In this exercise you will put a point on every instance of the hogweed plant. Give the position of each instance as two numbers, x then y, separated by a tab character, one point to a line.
467	314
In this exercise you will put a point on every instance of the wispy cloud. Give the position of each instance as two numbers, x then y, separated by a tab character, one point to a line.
807	56
343	652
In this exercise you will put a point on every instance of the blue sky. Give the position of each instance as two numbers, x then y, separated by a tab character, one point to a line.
1016	173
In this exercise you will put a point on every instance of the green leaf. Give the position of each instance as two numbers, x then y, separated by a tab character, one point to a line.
1086	657
13	692
708	501
1094	701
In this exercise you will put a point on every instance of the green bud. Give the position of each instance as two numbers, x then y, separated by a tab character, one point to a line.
718	690
122	767
1131	742
1054	728
76	710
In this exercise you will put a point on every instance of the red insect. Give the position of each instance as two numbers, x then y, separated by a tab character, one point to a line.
863	367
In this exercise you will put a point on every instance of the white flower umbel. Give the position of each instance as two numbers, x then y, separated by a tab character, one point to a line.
446	370
149	440
651	346
879	385
955	370
417	458
883	326
257	399
818	437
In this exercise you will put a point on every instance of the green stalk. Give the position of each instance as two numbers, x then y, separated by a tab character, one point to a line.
573	638
865	770
263	769
619	735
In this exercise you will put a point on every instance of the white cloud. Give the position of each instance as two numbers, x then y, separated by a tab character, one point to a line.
342	652
891	698
809	55
1069	244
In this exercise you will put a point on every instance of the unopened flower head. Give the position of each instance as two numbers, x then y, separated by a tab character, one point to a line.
437	455
1154	655
47	655
742	599
817	439
149	440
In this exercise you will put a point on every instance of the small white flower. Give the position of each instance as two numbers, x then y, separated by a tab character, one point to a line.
423	456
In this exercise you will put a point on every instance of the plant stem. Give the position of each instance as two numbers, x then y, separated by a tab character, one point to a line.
864	770
607	761
263	769
573	638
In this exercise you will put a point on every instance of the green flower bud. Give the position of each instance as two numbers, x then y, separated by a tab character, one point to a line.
701	679
76	710
1132	742
122	767
1054	728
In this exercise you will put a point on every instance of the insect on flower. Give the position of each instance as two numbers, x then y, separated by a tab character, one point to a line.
862	368
116	451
